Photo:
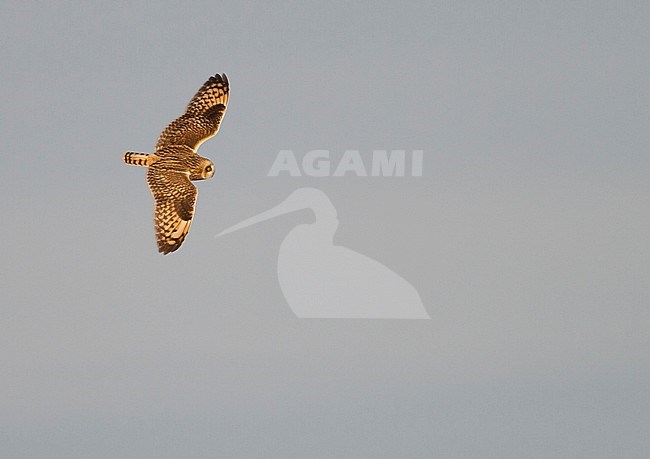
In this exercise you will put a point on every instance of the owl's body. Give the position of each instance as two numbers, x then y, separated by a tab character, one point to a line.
176	163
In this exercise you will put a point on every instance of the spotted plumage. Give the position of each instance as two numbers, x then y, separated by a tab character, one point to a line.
176	164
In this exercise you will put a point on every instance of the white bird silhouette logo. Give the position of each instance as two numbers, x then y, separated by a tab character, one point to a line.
323	280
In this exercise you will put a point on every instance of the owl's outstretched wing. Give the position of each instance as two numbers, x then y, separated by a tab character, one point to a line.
202	116
174	197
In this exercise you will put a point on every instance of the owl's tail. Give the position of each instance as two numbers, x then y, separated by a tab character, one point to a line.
139	159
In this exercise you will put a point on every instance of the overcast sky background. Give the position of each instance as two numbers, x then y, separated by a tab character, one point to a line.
527	236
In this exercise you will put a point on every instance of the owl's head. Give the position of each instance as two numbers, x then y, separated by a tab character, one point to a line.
207	169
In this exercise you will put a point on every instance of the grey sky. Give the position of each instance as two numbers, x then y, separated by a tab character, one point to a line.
526	237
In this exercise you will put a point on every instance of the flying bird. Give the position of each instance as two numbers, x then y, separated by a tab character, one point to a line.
175	164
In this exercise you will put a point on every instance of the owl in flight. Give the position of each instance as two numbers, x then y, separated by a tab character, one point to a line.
175	163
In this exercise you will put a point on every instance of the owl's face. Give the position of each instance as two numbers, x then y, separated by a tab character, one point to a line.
207	170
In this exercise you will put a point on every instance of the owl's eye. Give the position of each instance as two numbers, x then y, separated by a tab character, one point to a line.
208	168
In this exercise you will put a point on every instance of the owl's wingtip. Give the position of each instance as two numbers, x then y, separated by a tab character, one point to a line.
219	77
166	249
